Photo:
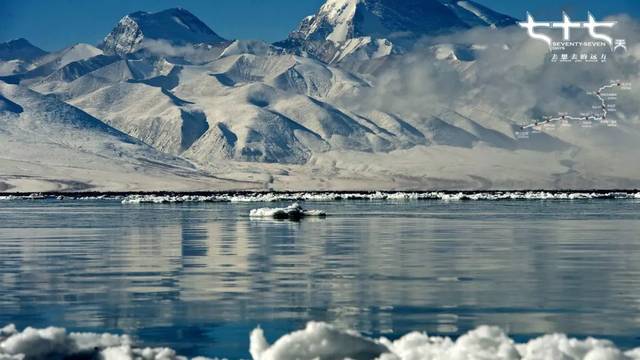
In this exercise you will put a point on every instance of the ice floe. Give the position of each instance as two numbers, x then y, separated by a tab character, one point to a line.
292	212
317	341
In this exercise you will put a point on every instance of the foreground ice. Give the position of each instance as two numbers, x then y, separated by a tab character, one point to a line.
316	341
55	343
292	212
322	341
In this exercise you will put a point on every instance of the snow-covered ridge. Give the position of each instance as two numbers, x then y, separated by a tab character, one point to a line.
317	341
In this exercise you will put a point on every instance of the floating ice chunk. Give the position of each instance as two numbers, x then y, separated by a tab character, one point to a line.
292	212
483	343
316	341
322	341
559	346
56	343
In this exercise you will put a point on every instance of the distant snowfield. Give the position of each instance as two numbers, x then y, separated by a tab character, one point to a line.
317	341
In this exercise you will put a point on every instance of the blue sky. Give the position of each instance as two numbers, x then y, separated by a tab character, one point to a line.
55	24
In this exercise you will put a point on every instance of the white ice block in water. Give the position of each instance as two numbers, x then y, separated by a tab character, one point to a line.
292	212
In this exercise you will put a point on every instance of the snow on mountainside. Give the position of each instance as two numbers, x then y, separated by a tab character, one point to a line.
12	67
240	107
279	109
17	56
342	27
176	26
49	63
68	55
341	20
49	145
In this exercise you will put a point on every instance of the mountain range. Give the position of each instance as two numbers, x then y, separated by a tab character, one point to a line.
165	103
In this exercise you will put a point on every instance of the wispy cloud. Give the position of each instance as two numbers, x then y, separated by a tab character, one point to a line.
508	72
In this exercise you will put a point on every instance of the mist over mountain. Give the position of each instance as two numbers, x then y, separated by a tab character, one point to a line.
364	94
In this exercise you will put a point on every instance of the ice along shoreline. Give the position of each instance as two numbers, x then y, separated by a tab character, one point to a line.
246	196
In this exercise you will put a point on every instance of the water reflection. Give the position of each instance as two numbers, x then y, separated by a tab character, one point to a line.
199	277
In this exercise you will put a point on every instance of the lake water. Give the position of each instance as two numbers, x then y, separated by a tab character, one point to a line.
200	277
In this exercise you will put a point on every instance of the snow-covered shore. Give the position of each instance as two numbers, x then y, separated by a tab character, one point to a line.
317	341
390	196
332	196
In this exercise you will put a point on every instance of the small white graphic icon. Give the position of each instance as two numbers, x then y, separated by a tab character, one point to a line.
531	25
592	25
566	25
620	44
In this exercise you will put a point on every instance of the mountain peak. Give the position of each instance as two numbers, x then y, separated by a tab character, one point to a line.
341	20
20	49
177	26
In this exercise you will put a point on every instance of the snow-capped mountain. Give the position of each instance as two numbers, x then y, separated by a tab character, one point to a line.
341	20
375	28
49	63
17	56
20	49
302	114
175	26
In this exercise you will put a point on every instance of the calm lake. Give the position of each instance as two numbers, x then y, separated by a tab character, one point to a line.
199	277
